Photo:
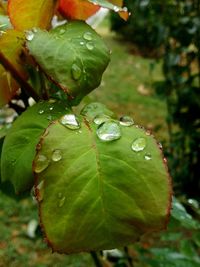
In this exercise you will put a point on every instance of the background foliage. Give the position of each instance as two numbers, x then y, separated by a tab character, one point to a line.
172	28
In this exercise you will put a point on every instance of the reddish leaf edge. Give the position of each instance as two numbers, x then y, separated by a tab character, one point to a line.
36	179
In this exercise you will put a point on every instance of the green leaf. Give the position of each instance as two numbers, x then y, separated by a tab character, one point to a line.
74	56
103	194
19	147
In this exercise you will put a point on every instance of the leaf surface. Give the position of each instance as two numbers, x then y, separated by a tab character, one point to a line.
20	143
26	14
74	57
77	9
103	194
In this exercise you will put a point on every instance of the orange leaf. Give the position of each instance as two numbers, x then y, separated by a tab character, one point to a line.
26	14
77	9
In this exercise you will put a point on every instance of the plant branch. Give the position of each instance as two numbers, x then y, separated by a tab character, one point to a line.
24	84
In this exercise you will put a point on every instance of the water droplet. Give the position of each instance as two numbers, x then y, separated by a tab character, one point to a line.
82	43
33	194
126	121
41	163
61	202
29	35
87	36
139	144
90	46
51	108
99	119
148	132
76	71
148	156
41	111
40	191
57	155
39	146
165	160
62	31
34	30
70	121
160	145
116	8
109	131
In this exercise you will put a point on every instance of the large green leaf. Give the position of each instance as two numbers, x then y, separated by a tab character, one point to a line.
96	194
74	56
20	143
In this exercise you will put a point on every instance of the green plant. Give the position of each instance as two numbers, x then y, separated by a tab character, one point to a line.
100	183
181	69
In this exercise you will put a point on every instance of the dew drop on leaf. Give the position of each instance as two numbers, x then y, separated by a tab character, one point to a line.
76	72
82	43
70	121
29	35
99	119
109	131
147	156
139	144
148	132
90	46
41	111
56	155
126	121
41	163
116	9
40	191
87	36
61	202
